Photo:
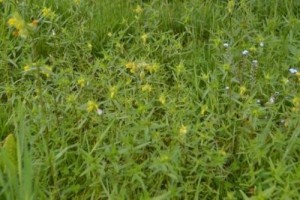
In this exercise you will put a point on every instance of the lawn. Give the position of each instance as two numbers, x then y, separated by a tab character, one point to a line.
149	99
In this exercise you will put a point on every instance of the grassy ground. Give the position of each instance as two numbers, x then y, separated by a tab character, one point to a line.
161	99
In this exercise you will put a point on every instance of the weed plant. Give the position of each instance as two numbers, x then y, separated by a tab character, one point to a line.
161	99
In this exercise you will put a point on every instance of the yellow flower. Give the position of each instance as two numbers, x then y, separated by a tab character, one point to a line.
26	68
48	13
132	66
18	23
47	70
226	66
92	106
81	82
89	45
183	130
230	6
296	101
243	89
113	90
164	158
138	9
253	49
146	88
144	37
298	75
71	99
179	68
162	99
203	109
285	80
152	68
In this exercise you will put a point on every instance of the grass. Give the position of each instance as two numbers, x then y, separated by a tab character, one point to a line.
149	99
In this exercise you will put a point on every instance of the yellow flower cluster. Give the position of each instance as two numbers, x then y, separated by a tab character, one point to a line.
135	67
147	88
162	99
92	106
81	82
296	102
48	13
132	66
19	24
243	90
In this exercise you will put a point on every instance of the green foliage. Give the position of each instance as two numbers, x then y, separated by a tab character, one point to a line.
149	99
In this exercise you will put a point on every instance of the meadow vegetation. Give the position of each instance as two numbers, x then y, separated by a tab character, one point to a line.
157	99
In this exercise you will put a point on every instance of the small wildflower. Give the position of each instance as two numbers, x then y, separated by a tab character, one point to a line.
152	68
203	109
132	67
18	23
26	68
298	75
227	88
81	82
162	99
272	100
255	62
245	52
183	130
164	158
293	70
226	66
180	68
112	92
267	76
47	70
109	34
48	13
230	6
138	9
252	49
71	99
261	44
146	88
53	32
258	101
296	101
89	45
285	80
222	152
92	106
100	111
243	89
144	37
225	45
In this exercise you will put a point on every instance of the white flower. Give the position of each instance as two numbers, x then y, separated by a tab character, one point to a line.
272	100
245	52
293	70
261	44
258	101
255	62
226	45
100	111
227	87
